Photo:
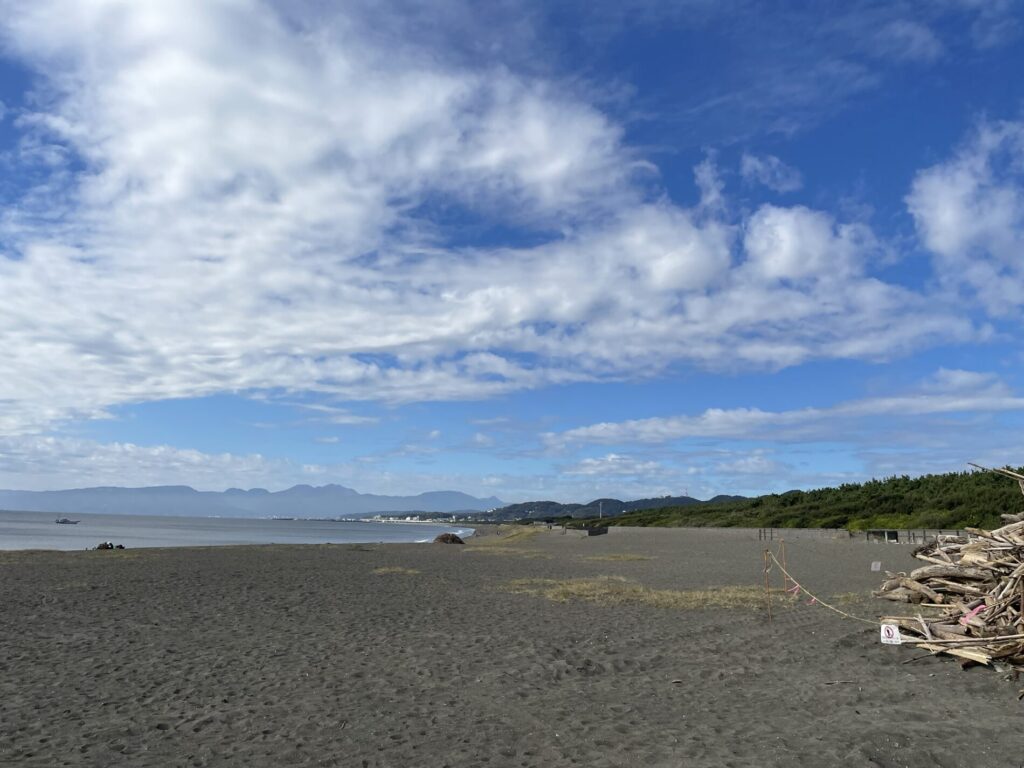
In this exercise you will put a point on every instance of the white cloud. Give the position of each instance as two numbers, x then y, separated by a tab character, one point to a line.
969	212
242	205
47	463
797	243
956	381
32	462
948	392
771	172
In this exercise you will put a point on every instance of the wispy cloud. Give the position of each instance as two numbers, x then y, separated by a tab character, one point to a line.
771	172
186	243
949	392
789	69
614	464
758	464
993	23
482	440
491	422
907	40
333	414
43	463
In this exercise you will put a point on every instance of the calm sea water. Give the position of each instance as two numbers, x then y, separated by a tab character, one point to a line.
37	530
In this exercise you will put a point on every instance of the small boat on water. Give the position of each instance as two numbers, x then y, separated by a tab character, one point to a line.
65	521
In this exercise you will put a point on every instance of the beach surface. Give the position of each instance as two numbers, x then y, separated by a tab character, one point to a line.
489	654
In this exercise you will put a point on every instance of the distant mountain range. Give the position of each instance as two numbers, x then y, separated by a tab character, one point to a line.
298	501
606	507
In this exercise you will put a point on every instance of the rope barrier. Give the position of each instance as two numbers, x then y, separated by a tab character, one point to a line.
935	645
818	600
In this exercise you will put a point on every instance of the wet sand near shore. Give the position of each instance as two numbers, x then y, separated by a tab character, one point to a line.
443	655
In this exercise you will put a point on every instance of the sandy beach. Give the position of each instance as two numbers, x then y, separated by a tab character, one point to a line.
443	655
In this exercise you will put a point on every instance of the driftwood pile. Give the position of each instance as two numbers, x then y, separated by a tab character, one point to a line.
976	582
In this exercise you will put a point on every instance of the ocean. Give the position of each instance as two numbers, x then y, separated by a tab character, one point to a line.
38	530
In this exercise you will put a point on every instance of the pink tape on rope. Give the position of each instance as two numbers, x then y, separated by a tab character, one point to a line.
974	612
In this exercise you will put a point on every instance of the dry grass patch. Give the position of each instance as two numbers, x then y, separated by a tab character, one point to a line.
508	543
111	555
17	555
512	534
396	569
531	554
616	590
616	558
849	598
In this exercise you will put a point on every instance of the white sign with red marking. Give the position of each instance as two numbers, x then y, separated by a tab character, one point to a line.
891	634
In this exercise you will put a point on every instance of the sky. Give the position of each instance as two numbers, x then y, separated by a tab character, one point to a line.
524	249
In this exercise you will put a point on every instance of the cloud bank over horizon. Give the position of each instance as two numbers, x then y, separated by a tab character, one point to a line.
324	210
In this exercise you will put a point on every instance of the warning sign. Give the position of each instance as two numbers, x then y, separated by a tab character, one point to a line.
891	634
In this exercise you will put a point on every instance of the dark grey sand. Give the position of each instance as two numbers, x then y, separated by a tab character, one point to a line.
302	655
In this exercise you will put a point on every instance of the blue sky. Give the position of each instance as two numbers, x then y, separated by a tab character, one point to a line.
529	250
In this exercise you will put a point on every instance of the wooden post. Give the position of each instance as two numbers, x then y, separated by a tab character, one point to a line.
782	552
767	587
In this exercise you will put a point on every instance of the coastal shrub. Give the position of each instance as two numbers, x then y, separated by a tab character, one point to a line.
951	501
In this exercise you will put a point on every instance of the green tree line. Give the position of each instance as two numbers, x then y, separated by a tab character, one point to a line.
954	500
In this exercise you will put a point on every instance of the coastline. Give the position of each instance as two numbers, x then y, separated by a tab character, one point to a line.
409	655
36	530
